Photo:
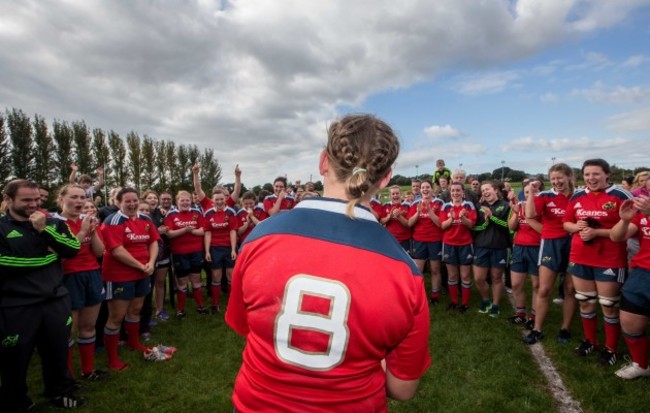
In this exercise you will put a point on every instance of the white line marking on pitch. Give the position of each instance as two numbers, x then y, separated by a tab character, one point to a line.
567	404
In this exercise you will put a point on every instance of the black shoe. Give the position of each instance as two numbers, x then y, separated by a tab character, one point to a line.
533	337
584	349
517	320
202	310
215	309
564	336
530	324
451	307
95	375
180	315
607	357
462	309
68	401
433	301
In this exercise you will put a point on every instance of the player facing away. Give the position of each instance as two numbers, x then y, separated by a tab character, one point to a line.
346	323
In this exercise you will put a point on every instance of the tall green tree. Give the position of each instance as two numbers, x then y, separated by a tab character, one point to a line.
43	154
162	177
148	160
20	133
5	152
81	136
63	153
210	170
100	150
118	154
171	159
182	170
133	144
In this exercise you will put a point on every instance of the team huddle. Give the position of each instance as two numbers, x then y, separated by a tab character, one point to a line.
304	328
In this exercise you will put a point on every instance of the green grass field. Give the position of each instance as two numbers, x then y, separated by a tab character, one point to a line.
479	364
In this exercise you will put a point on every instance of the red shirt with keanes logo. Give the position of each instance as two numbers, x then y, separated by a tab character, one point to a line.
242	216
601	210
288	202
526	235
424	230
642	258
220	223
135	235
457	234
187	243
85	260
551	207
400	231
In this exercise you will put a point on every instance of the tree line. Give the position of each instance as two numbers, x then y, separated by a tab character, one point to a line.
31	149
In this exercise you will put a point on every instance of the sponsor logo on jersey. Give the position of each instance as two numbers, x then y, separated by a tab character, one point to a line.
558	211
127	230
577	205
594	214
551	204
14	234
147	227
138	238
500	208
644	221
646	231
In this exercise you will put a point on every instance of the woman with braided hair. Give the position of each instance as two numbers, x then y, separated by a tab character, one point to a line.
346	322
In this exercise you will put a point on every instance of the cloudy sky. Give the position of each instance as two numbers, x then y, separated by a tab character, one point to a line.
473	82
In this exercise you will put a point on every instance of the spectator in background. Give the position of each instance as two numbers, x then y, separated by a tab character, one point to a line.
416	186
441	171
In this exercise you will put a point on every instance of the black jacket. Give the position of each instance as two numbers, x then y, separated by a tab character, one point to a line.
30	262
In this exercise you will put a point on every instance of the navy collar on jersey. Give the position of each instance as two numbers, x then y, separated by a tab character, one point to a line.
337	206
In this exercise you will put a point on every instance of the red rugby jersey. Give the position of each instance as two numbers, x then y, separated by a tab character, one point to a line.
457	234
525	235
85	260
288	202
308	346
602	209
242	216
424	230
220	223
185	243
400	231
642	258
551	207
134	235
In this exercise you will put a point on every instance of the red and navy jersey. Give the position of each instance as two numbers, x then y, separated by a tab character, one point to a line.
457	234
424	230
551	207
85	260
642	258
600	209
308	346
134	235
377	207
242	216
220	223
400	231
186	243
288	202
526	235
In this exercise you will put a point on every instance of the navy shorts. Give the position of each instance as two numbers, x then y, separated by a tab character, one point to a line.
220	256
554	253
431	251
186	264
406	245
524	259
458	254
491	257
128	290
636	292
591	273
86	288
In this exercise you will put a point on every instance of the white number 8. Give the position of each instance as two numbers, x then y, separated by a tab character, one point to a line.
334	324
